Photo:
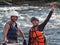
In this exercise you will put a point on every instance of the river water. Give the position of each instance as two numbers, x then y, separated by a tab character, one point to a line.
51	31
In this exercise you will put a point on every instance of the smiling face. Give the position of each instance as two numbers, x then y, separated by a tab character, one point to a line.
14	18
35	22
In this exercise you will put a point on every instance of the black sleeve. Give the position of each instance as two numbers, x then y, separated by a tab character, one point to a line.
41	27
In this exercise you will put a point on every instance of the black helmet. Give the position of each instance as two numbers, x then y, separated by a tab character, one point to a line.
33	18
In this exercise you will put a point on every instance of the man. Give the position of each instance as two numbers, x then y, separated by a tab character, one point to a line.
11	29
36	36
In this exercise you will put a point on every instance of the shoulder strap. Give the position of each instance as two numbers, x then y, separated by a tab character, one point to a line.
11	24
16	25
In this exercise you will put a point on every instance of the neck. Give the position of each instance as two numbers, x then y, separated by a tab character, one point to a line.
13	22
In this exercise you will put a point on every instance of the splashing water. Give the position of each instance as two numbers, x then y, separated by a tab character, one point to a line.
52	29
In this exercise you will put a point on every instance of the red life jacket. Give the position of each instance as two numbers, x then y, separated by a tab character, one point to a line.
37	37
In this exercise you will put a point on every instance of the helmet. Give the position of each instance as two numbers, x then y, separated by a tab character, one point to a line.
33	18
13	13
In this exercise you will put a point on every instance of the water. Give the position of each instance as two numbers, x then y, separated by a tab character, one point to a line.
51	31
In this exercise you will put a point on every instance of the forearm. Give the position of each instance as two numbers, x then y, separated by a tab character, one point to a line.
5	35
22	34
6	28
47	19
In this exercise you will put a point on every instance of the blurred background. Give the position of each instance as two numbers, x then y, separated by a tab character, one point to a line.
29	8
20	2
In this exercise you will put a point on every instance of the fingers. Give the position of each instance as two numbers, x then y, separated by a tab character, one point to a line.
52	8
5	40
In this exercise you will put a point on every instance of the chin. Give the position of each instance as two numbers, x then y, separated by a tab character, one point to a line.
34	25
14	21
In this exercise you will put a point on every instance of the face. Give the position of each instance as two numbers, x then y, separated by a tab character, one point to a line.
35	22
14	18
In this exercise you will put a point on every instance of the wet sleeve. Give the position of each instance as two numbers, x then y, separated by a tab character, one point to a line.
41	27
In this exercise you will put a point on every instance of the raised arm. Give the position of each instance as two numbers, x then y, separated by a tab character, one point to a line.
47	19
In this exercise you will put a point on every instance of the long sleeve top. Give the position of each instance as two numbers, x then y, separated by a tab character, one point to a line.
41	26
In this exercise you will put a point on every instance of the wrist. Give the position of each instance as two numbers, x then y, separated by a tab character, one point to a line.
24	38
5	39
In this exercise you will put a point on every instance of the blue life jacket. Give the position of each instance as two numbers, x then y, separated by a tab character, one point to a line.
12	33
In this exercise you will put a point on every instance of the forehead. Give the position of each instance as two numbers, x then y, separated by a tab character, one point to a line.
35	21
13	16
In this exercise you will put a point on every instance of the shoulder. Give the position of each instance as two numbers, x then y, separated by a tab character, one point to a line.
9	22
30	29
7	25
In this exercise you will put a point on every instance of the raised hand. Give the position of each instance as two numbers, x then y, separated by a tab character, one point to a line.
52	9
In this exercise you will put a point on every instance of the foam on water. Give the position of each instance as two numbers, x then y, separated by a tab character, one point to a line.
51	30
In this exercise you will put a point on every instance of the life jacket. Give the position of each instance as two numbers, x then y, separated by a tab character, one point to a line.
36	37
12	33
